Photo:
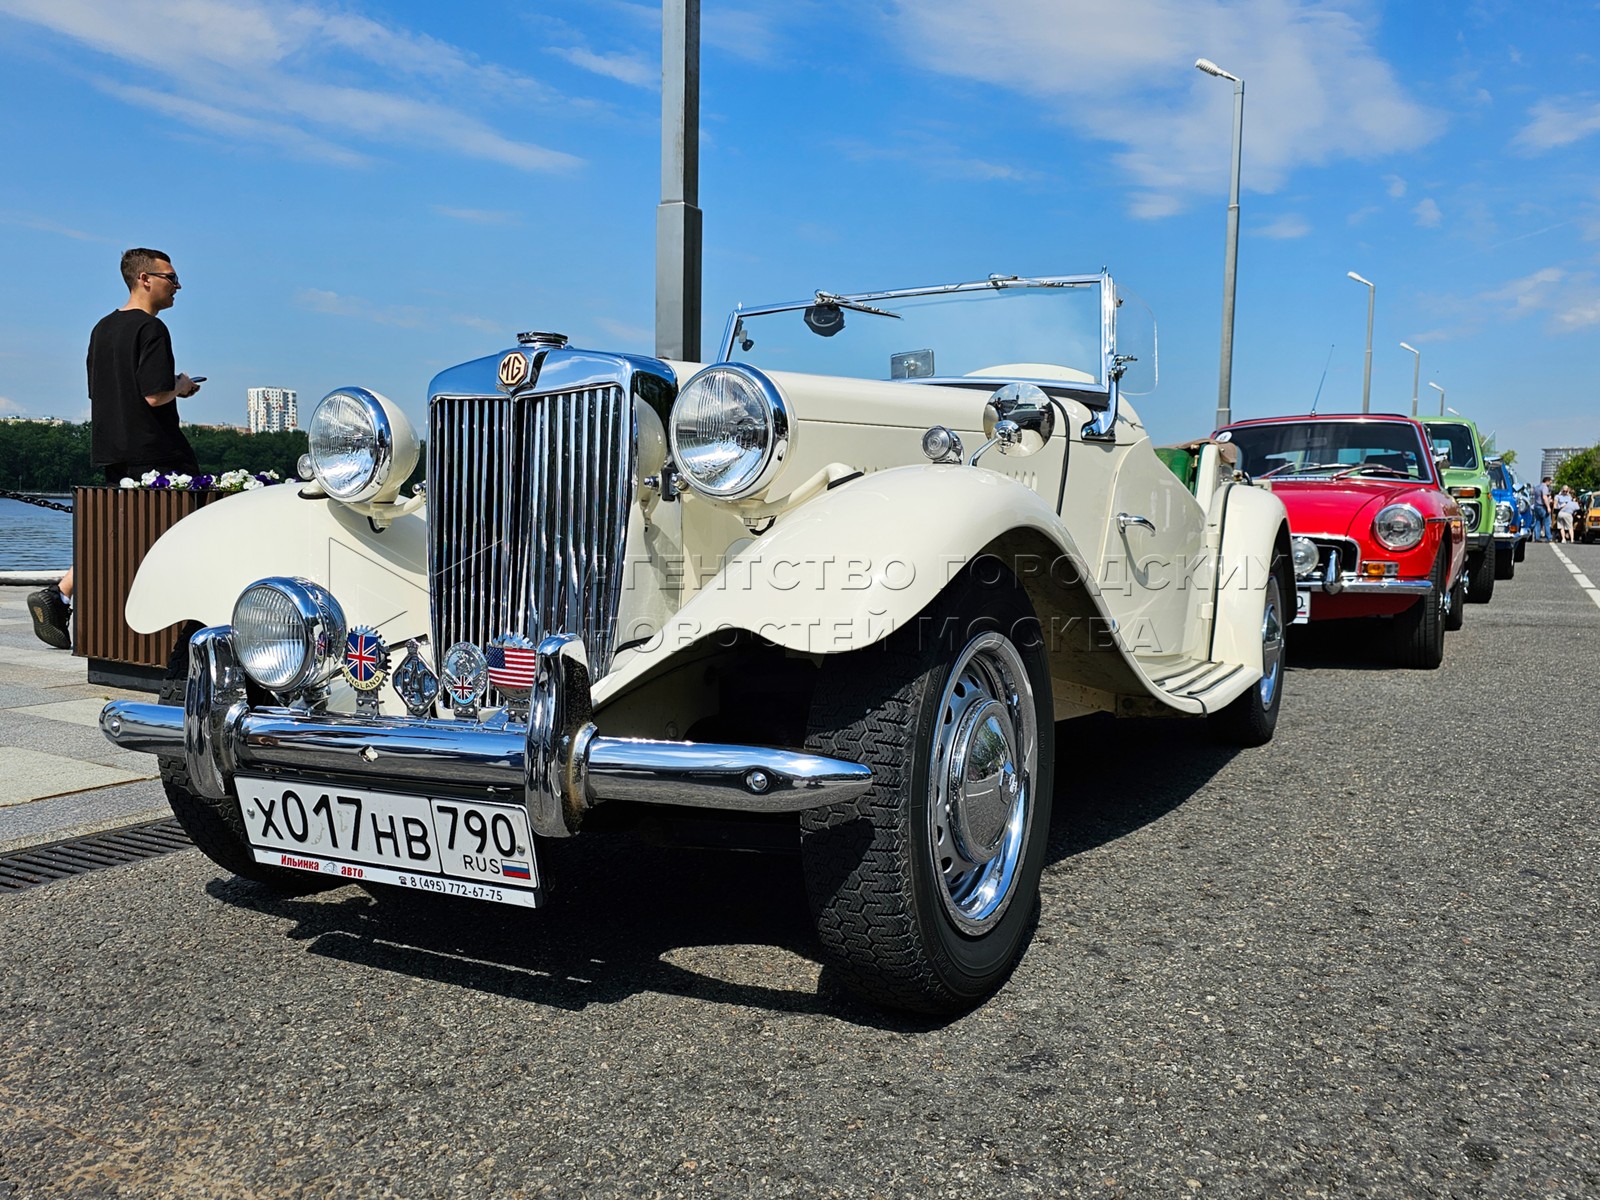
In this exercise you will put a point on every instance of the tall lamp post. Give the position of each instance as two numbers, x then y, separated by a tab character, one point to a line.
678	223
1440	390
1416	373
1230	268
1366	373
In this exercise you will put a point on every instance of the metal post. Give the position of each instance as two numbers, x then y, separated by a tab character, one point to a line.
678	221
1366	373
1230	267
1440	390
1416	373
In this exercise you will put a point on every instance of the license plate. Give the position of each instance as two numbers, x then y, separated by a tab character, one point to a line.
1302	607
453	847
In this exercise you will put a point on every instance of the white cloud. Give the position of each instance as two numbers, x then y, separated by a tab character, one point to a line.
45	225
333	304
1570	300
8	405
260	72
1396	186
626	68
1428	214
1122	71
1290	225
1557	123
477	216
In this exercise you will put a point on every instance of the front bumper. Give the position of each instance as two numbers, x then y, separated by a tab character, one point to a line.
558	764
1330	581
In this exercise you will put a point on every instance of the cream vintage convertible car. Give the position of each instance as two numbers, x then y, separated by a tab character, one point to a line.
847	578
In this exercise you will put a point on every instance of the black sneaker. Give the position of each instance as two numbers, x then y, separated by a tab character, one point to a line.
50	613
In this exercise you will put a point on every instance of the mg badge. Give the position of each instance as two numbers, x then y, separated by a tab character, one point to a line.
415	682
513	370
365	666
513	661
464	674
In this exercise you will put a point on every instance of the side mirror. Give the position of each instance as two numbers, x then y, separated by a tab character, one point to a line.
1020	418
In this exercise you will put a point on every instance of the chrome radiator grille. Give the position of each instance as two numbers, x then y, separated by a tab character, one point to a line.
528	500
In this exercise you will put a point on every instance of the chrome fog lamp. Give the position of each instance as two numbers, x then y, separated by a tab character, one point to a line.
941	445
1305	554
1398	527
289	633
729	431
362	446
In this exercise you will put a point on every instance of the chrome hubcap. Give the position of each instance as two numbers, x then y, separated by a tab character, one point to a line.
984	758
1271	647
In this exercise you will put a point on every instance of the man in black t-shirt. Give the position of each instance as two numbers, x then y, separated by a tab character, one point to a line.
133	390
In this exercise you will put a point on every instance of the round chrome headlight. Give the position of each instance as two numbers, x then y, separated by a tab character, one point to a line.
1305	555
1398	527
729	431
362	446
289	633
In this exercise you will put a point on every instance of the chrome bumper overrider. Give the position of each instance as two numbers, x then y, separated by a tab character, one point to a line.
1332	583
559	763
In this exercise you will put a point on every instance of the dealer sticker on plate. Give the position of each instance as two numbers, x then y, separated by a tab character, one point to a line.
454	847
1302	607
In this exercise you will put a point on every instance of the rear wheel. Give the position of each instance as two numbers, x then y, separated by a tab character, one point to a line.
1480	573
1251	718
1419	630
216	826
925	888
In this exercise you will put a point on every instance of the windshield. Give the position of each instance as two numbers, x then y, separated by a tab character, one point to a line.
1380	449
1499	477
1457	440
1048	331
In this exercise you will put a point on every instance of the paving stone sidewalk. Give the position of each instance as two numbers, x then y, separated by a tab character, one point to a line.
59	777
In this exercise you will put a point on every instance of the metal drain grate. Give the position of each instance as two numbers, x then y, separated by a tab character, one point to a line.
23	869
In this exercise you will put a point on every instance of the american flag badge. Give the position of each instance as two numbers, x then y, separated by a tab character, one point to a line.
415	681
366	659
464	676
513	661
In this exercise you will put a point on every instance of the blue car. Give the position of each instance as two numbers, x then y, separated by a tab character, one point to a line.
1512	526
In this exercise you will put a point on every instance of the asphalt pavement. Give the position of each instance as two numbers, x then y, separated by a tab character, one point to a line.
1357	962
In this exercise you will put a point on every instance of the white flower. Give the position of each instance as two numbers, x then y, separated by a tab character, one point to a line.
148	478
181	482
252	483
128	482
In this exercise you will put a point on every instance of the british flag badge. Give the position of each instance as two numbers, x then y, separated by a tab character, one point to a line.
464	674
366	659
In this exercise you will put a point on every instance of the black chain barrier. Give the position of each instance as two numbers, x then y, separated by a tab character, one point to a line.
42	503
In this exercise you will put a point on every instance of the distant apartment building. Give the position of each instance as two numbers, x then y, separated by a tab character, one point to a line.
271	410
1554	456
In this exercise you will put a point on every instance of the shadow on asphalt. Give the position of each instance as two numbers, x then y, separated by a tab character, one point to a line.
626	916
1362	644
1096	799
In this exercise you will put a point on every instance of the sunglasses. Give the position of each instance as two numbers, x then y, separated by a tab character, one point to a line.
169	276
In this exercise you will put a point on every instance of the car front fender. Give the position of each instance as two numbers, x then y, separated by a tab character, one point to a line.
196	570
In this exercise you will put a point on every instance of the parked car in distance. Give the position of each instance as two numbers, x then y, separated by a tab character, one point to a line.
1586	522
1466	477
1511	528
835	587
1373	533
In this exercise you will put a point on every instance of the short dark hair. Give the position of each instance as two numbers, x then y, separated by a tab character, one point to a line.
139	260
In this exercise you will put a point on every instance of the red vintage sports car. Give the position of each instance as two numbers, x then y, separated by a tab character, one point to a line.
1374	533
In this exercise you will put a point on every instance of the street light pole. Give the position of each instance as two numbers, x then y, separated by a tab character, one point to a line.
1416	374
1440	390
1366	374
1230	269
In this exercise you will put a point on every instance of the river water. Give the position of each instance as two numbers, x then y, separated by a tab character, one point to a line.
34	538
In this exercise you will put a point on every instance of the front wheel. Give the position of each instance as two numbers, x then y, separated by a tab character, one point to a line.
1419	630
1480	569
925	887
216	827
1505	563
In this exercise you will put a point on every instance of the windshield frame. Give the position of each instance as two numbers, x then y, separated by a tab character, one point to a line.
1099	395
1341	472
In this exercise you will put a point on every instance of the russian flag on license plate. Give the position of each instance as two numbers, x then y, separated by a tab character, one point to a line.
514	870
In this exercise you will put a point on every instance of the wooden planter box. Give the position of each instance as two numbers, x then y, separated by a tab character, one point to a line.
112	530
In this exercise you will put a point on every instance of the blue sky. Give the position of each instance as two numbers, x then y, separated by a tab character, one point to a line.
365	193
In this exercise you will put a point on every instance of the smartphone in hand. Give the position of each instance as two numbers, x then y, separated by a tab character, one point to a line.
197	379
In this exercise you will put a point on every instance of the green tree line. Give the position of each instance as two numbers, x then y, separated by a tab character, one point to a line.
1581	471
35	457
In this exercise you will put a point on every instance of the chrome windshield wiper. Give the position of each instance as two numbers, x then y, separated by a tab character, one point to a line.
1296	468
829	300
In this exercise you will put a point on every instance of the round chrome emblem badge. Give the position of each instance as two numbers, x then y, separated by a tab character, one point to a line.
366	659
464	675
415	681
513	370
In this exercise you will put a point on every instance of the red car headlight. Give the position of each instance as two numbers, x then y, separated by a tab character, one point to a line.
1398	527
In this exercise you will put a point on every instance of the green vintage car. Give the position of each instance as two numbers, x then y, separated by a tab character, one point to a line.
1466	477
